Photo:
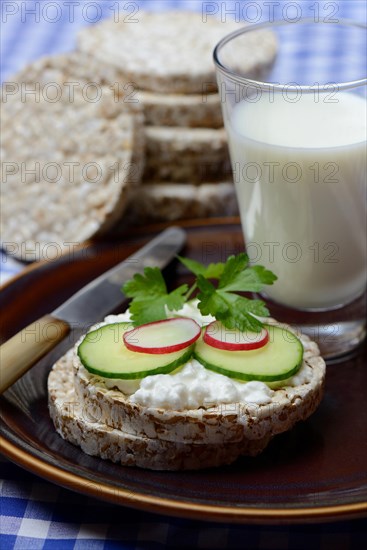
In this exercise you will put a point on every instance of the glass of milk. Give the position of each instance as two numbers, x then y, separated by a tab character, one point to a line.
297	139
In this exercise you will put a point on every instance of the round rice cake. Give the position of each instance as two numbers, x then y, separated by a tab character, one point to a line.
195	155
172	51
79	426
70	160
79	70
187	110
292	400
167	202
72	71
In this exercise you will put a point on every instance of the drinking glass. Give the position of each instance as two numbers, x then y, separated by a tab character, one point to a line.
297	138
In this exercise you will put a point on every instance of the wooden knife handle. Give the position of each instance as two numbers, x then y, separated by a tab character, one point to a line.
27	347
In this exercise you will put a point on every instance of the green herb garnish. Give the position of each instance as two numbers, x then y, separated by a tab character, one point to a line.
150	296
151	300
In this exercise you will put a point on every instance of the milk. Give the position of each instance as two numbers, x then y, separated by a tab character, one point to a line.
300	174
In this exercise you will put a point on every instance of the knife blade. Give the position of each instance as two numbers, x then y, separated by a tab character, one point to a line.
87	306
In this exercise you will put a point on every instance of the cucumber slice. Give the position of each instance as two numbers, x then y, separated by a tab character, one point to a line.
104	353
279	359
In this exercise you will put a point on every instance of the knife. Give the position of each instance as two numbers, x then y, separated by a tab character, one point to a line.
86	307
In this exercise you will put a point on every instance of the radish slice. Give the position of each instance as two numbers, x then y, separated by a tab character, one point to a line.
218	336
165	336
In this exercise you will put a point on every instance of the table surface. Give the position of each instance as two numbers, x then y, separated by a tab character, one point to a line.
36	514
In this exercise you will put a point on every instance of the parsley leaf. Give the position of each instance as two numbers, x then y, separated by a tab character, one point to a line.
149	284
239	277
150	297
212	271
151	300
232	310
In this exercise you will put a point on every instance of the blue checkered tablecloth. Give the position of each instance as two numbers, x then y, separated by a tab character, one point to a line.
38	515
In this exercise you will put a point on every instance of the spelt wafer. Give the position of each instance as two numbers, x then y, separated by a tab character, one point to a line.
79	70
78	425
190	110
195	155
69	161
174	201
105	423
172	51
292	400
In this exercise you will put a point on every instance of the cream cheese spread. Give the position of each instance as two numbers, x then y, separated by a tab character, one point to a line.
192	385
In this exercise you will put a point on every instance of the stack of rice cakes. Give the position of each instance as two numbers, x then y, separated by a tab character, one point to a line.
167	58
105	422
60	187
154	132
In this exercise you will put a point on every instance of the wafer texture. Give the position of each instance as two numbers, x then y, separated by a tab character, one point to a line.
105	423
80	425
167	202
217	424
72	70
186	154
71	155
80	70
190	110
172	51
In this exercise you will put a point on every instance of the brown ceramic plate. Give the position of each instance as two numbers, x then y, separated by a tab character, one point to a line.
316	472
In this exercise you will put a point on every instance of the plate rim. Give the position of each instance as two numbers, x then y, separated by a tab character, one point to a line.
161	505
166	505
